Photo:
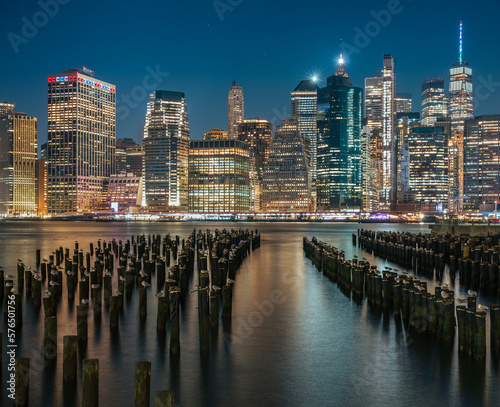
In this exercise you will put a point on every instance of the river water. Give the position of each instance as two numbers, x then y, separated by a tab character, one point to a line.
294	339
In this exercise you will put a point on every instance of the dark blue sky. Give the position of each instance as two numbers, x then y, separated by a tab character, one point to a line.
268	47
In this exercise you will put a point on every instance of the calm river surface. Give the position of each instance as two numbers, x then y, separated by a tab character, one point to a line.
294	340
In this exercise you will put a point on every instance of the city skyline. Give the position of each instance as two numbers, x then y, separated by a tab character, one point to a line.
265	96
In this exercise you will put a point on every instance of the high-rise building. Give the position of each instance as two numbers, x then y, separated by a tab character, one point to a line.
258	134
434	103
128	157
216	134
18	155
428	164
403	123
403	103
373	103
481	173
456	173
340	107
286	179
6	108
166	146
370	177
304	101
219	176
461	97
235	109
81	128
388	141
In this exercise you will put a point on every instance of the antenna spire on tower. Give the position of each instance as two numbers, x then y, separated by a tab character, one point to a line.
461	43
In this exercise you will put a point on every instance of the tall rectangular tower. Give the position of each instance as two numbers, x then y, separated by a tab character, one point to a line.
18	154
235	109
166	147
388	145
81	136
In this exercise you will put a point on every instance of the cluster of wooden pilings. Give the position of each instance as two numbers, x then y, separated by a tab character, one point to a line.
475	258
431	314
110	271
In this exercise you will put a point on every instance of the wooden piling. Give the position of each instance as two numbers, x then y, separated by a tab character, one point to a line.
227	301
22	382
70	349
203	319
50	338
142	384
462	327
164	398
81	322
163	312
90	383
143	302
480	335
175	345
214	308
495	327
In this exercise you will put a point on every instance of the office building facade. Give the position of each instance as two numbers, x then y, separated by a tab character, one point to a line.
434	103
235	109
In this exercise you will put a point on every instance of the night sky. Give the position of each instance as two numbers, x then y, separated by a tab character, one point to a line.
199	47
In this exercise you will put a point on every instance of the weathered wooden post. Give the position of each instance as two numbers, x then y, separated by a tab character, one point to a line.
70	349
175	345
164	398
227	301
50	338
495	327
22	382
163	311
81	322
480	335
214	308
462	327
142	384
143	301
90	383
203	319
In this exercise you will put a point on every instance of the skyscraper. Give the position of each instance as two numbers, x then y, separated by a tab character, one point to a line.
456	173
258	134
235	109
434	103
481	149
461	97
81	128
6	108
304	101
428	164
286	179
403	103
166	146
18	155
373	103
388	144
340	108
219	176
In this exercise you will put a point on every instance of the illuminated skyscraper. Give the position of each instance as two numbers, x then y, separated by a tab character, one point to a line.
428	164
258	134
403	103
404	122
456	173
235	109
461	97
340	108
18	156
216	134
219	176
434	103
388	138
166	146
304	101
81	128
6	108
373	103
286	178
481	149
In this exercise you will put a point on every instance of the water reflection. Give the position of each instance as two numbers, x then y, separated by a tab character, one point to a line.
295	339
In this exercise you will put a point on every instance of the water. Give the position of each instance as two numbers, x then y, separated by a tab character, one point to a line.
294	340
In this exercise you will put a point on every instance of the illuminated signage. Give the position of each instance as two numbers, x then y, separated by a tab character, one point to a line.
80	79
